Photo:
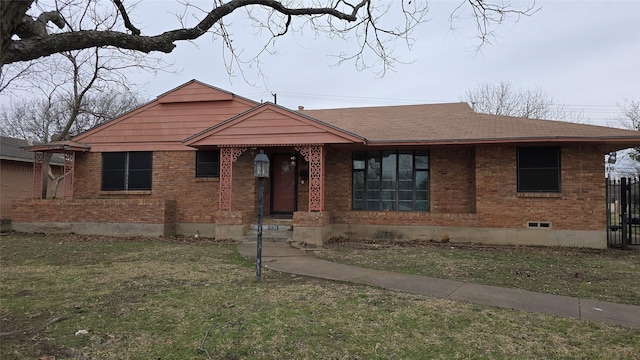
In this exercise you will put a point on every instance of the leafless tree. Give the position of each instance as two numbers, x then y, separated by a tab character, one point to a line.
43	118
630	119
25	34
71	91
503	99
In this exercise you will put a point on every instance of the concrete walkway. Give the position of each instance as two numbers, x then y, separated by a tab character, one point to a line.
282	257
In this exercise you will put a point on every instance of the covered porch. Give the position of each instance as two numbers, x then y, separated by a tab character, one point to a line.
295	189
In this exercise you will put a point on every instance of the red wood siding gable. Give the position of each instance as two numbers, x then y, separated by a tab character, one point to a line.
195	91
162	124
271	125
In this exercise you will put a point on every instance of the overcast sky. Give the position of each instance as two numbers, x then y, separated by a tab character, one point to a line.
585	54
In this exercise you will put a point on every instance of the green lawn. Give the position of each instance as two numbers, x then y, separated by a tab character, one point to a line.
176	299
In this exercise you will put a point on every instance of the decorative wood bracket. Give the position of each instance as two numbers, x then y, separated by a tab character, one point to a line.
314	155
228	155
38	168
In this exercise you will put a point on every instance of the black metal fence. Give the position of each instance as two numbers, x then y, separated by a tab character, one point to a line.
623	212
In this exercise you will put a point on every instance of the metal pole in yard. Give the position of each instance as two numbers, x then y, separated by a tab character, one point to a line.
260	201
261	171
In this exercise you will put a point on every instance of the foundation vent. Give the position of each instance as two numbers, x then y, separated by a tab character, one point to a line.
539	225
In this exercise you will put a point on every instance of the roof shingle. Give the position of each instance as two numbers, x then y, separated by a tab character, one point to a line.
458	123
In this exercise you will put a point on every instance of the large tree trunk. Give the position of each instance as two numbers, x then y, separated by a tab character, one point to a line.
12	13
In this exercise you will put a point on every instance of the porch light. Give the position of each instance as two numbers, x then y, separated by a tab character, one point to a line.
261	165
261	171
612	157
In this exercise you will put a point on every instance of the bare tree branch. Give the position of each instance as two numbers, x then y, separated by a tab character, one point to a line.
33	48
363	17
125	17
489	13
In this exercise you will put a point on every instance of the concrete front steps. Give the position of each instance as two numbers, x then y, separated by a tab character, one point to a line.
273	230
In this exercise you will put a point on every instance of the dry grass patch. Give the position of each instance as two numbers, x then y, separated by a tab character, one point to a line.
608	275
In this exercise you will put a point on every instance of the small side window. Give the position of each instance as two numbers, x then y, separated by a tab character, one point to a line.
538	169
207	163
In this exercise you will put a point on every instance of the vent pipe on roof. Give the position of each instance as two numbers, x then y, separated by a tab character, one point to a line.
300	107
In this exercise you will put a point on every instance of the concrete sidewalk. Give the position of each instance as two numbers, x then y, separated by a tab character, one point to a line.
281	257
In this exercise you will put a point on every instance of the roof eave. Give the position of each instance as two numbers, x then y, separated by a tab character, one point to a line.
624	142
54	147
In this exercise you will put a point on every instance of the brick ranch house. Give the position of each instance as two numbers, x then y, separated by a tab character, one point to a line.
182	164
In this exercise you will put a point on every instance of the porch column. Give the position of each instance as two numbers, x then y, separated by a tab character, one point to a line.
314	155
69	164
38	162
228	155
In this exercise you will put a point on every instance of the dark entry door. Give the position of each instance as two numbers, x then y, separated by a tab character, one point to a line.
283	183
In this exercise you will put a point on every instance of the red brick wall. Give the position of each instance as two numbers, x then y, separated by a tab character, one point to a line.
580	205
174	178
456	180
87	175
452	178
337	181
452	183
403	218
312	219
245	186
469	187
143	211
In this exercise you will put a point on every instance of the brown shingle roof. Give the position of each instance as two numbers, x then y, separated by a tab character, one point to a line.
458	123
11	149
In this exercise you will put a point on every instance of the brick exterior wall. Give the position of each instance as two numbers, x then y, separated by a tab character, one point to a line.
141	211
245	196
173	178
579	205
463	194
403	218
452	175
337	181
469	187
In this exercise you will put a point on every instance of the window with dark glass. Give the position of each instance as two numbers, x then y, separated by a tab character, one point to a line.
390	180
208	163
538	169
127	170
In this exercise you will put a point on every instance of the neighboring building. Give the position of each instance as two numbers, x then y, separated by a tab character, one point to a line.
182	164
16	173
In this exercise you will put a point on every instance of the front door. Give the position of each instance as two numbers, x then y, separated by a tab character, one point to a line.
283	184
